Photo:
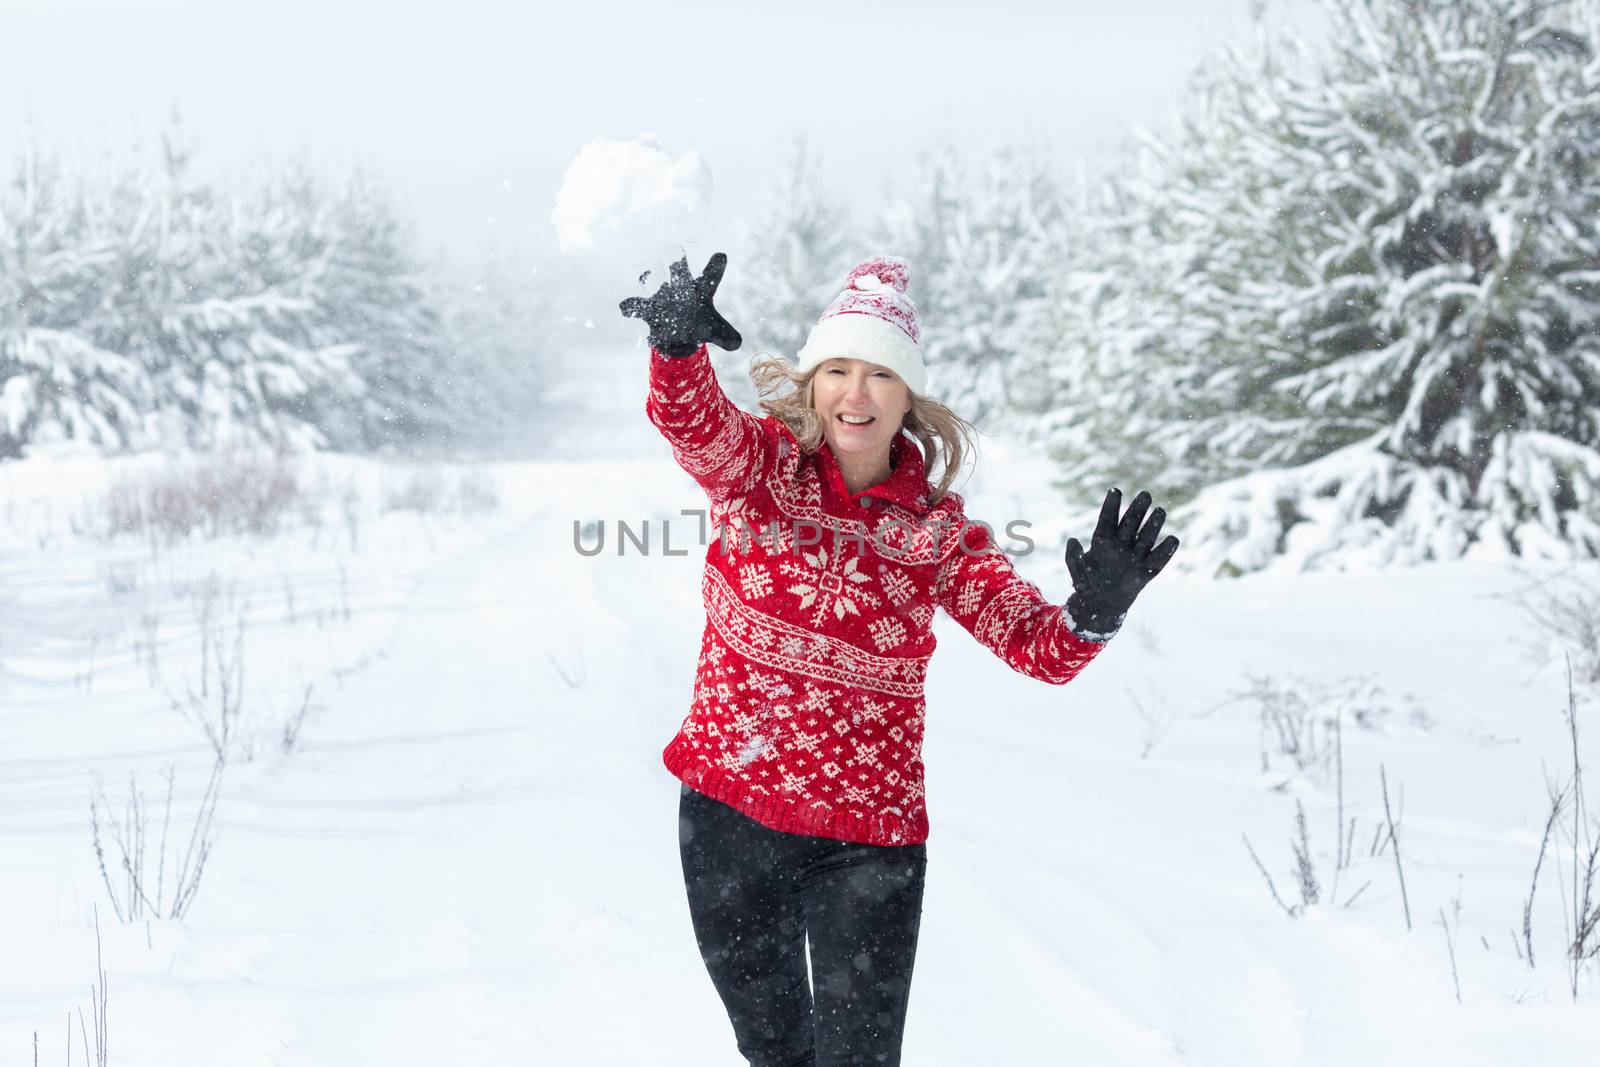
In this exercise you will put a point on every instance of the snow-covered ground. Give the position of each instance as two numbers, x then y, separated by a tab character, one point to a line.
468	853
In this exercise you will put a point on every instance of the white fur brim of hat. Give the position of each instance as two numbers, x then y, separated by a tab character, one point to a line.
853	335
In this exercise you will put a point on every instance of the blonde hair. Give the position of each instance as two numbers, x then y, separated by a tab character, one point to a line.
942	434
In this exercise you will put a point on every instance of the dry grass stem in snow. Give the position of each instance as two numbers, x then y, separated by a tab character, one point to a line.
1394	837
1271	885
296	721
1568	820
1305	873
139	898
1305	870
575	676
215	709
1558	803
1156	726
1301	720
1583	945
97	996
1565	612
1450	934
97	993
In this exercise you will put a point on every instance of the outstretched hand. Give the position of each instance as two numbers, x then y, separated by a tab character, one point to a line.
1122	559
680	313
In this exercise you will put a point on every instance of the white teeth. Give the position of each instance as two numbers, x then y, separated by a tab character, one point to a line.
856	420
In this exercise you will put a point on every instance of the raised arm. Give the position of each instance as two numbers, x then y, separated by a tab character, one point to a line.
725	449
981	590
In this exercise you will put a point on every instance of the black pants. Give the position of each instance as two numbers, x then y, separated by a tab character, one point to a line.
756	895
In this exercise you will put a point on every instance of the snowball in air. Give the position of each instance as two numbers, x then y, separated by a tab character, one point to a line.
637	185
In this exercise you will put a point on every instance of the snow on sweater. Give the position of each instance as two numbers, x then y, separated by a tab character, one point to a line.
808	709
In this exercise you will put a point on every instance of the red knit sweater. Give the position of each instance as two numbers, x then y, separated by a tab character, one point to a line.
808	699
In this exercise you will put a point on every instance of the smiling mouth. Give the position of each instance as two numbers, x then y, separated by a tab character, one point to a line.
870	420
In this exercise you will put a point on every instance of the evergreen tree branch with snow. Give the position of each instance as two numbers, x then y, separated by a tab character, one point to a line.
794	256
989	243
1362	291
146	309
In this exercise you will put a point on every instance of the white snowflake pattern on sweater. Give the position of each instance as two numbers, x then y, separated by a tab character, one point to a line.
808	707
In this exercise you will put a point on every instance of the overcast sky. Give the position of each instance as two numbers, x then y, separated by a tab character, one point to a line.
471	110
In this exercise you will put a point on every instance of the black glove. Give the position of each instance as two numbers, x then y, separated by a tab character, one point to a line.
680	314
1121	560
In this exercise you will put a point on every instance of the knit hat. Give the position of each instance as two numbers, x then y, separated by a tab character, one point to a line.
872	320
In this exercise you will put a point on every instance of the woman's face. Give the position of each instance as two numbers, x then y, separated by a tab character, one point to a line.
861	405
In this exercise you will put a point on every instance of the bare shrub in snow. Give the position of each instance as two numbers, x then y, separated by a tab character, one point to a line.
97	998
295	722
1569	824
1306	881
344	592
147	644
476	492
239	490
83	678
215	709
419	489
1301	719
427	490
349	500
1386	836
215	702
1305	873
121	576
143	893
1565	612
1156	724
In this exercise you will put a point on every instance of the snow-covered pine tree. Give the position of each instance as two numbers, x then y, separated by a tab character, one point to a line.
1113	325
58	384
215	298
794	262
371	294
144	308
149	220
1382	322
986	258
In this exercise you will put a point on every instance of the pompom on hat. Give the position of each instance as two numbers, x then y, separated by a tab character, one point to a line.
874	321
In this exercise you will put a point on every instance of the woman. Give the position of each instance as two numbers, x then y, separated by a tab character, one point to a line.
801	811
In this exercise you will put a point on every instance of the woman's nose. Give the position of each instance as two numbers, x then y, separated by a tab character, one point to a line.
858	391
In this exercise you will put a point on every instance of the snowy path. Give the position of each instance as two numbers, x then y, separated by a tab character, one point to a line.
471	859
463	862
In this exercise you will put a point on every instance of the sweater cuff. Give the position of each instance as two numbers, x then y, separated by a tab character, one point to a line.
657	353
686	373
1095	629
